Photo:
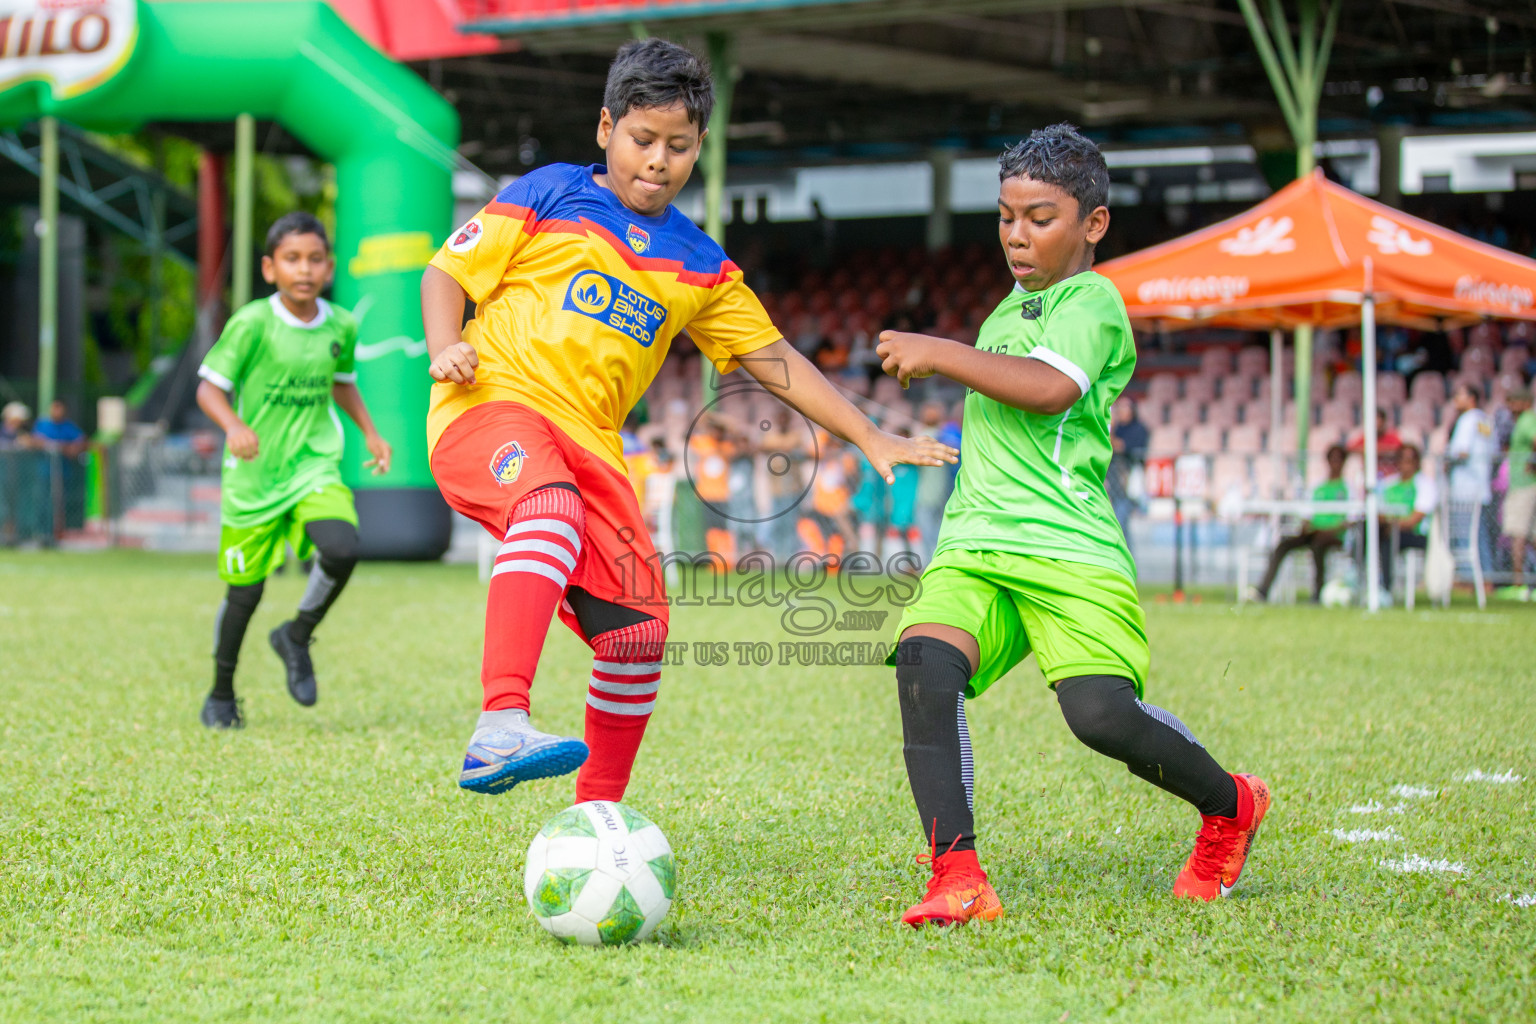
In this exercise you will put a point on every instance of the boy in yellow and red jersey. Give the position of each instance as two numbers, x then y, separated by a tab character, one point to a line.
581	277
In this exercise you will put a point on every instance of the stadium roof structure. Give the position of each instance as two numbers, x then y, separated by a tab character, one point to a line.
862	79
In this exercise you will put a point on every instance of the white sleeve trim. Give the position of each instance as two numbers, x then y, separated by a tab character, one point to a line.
345	378
1057	361
216	378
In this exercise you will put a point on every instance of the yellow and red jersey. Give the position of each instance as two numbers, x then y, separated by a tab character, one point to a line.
577	300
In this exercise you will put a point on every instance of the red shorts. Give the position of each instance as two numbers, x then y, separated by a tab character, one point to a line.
497	453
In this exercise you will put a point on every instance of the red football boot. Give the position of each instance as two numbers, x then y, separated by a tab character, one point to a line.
1222	845
957	892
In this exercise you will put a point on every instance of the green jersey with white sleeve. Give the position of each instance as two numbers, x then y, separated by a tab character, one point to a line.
278	371
1033	484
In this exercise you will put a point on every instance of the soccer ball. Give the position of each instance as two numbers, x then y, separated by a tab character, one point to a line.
1337	593
599	874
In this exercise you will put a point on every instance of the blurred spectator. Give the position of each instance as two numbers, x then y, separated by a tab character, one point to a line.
829	529
933	483
903	534
1321	534
660	492
58	432
13	426
1411	488
1520	501
1388	441
713	449
869	507
1470	456
788	449
1129	440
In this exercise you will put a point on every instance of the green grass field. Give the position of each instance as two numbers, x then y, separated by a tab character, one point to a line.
322	864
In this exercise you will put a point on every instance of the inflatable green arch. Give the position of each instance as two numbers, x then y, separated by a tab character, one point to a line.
120	63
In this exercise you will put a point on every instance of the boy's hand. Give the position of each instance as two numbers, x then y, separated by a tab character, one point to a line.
381	452
886	450
455	363
908	355
242	442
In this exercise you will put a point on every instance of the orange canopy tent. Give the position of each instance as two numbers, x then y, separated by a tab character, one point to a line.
1315	253
1308	254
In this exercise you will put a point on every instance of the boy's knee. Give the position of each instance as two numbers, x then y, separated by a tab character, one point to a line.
642	641
337	542
247	597
929	671
1098	709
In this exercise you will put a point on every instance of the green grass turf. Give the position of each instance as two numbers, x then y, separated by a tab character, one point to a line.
323	865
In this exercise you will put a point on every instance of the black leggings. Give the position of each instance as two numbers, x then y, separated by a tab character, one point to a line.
336	542
1102	711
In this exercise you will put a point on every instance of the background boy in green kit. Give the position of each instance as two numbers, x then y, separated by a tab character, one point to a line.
1030	556
284	360
1321	534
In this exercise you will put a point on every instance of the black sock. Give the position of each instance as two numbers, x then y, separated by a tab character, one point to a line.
1104	713
336	541
930	684
228	630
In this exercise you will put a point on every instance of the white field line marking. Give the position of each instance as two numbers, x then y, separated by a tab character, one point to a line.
1367	835
1412	792
1414	864
1375	807
1521	901
1497	778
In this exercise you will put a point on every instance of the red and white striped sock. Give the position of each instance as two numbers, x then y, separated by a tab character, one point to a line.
626	672
536	558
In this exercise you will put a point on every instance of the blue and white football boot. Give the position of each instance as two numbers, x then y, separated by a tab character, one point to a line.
506	749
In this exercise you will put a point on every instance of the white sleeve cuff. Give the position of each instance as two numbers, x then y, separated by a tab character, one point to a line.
345	378
1057	361
216	378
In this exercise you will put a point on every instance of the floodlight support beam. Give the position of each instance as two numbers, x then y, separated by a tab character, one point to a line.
48	268
722	62
240	259
1296	70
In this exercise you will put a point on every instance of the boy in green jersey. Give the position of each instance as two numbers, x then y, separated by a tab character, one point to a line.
1030	556
286	361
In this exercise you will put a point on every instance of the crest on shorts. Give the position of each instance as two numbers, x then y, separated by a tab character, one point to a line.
507	463
467	237
639	239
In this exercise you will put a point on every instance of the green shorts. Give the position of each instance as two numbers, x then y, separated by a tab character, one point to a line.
1080	620
249	554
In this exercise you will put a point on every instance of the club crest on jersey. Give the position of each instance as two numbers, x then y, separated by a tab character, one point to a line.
1031	309
467	237
610	301
507	463
639	239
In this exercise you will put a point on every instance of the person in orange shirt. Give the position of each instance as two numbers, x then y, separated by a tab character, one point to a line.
582	276
712	451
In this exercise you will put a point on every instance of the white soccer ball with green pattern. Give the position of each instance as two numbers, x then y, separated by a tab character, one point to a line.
599	874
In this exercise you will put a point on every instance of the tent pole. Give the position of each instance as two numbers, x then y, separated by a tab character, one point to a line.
1368	414
1276	382
240	257
1303	375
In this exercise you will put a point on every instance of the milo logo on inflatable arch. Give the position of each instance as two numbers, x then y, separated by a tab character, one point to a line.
74	45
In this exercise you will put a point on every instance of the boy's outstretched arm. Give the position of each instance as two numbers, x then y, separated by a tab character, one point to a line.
1029	384
442	314
792	378
351	401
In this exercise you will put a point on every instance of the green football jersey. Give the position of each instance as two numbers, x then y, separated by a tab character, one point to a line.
278	371
1329	490
1034	484
1520	451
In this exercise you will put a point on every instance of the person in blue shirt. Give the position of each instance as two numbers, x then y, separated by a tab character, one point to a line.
58	432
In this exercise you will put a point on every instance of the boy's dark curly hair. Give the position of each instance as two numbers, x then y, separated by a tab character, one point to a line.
656	73
1060	155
